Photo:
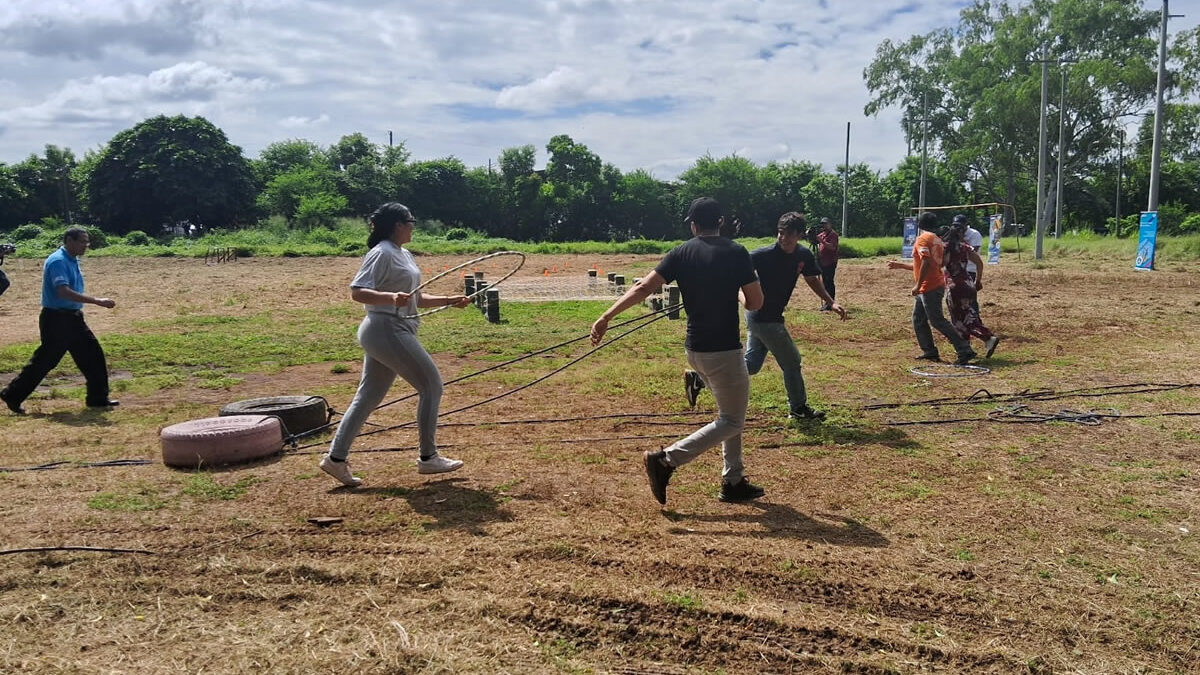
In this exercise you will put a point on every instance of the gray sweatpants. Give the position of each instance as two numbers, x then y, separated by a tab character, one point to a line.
391	349
725	375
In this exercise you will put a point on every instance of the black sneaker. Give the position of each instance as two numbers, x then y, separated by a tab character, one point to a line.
742	491
15	407
692	384
991	346
659	473
928	356
965	359
807	413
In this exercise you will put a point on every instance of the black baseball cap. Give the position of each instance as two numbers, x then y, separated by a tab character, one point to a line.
959	219
705	212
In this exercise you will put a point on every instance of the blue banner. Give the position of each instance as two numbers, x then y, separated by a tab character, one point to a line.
995	229
910	238
1147	240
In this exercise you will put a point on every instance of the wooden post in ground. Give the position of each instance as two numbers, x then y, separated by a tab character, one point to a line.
673	300
493	305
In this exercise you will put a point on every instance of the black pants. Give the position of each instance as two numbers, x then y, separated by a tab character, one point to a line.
827	279
63	332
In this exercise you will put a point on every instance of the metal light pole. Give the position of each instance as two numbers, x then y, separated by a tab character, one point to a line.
1155	159
846	182
924	146
1041	177
1062	114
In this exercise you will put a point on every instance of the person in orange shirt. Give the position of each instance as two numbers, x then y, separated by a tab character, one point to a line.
929	289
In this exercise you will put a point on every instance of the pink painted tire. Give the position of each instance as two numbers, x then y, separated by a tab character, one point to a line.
215	441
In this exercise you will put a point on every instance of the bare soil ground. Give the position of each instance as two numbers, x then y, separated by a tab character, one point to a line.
967	547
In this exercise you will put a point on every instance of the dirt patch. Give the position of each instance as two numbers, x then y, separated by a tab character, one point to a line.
975	546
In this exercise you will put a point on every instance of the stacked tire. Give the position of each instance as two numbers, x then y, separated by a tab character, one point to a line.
299	414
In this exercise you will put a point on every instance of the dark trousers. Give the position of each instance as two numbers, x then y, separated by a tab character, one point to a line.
927	311
827	274
63	332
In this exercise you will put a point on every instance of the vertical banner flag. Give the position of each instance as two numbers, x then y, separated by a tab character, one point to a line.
1147	240
910	238
995	229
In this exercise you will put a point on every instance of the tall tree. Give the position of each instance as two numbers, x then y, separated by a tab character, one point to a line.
167	169
977	87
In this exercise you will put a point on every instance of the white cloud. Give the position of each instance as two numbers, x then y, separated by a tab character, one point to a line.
643	83
192	87
295	122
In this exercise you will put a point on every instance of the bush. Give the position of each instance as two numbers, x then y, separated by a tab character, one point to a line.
1190	225
137	238
319	210
27	232
457	234
97	237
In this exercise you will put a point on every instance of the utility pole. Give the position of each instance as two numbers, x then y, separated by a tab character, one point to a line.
924	146
1062	115
1155	158
389	138
1120	174
846	182
1041	177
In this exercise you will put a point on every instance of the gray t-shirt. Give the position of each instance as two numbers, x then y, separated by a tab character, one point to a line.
389	269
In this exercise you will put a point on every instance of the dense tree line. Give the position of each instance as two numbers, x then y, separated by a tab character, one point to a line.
972	90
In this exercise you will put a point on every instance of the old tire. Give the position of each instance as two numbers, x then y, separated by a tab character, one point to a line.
299	414
215	441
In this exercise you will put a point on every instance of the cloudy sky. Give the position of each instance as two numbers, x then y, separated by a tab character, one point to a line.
643	83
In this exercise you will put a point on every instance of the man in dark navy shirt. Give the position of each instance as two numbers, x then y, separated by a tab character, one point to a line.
779	266
713	273
63	329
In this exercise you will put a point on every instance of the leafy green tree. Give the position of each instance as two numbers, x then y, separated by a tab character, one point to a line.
439	190
578	190
167	169
284	194
522	205
319	210
744	190
645	207
283	156
45	187
12	200
977	87
788	180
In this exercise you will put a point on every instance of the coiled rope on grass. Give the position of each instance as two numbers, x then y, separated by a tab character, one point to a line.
642	321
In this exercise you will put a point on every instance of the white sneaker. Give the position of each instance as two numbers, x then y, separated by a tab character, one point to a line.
438	464
340	471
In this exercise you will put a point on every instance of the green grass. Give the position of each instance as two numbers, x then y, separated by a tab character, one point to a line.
205	488
142	498
273	238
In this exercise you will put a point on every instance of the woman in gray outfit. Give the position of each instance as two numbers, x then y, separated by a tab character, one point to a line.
388	335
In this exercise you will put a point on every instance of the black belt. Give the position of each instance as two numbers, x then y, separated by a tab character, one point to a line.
73	312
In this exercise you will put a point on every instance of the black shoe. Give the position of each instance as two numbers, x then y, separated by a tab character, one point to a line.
692	384
991	346
826	308
807	413
659	473
742	491
104	404
965	359
12	405
929	356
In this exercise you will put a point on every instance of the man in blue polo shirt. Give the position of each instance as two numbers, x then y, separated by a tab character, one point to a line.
63	329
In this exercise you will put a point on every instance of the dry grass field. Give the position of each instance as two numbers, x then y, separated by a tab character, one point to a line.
968	546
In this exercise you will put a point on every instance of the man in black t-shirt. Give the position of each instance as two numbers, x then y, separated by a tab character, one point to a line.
713	274
779	266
